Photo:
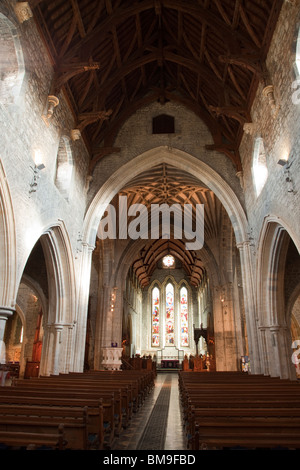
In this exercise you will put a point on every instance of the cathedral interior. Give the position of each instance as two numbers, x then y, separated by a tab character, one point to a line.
149	187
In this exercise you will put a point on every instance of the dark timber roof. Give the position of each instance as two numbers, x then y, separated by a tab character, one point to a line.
112	57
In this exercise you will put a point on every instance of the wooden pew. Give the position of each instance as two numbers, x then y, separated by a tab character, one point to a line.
94	406
122	393
46	419
33	440
110	397
111	400
201	421
248	411
259	438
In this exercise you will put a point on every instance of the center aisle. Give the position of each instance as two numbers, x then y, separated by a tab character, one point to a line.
157	425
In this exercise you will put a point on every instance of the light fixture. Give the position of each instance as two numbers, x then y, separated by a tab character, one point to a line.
282	162
36	169
286	164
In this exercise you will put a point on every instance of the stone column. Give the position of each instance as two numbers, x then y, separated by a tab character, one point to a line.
5	313
83	283
249	304
69	348
57	349
278	352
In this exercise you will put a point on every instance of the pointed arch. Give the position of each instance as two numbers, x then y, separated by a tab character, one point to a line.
180	160
275	335
8	265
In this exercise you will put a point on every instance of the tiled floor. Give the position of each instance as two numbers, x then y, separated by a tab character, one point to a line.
174	433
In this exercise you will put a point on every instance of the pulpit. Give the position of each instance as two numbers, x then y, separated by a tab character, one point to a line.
112	358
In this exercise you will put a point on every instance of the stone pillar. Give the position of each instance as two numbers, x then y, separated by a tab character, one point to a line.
56	349
50	361
250	309
83	283
69	349
5	313
277	351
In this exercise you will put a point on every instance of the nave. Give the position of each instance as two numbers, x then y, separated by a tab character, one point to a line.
158	425
138	410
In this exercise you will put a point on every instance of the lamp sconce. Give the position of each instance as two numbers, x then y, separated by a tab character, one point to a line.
286	166
36	170
53	101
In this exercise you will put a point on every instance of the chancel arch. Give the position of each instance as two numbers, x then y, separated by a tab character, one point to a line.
143	256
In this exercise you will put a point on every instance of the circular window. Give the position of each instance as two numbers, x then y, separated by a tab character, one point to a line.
168	261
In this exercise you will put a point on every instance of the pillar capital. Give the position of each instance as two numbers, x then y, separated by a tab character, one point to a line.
6	312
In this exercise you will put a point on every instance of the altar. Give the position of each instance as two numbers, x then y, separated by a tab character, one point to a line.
169	357
169	363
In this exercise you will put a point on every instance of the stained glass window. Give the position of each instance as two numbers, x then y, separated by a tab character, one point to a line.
184	336
170	314
155	317
168	261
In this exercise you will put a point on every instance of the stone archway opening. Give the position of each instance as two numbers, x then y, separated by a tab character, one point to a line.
278	300
169	182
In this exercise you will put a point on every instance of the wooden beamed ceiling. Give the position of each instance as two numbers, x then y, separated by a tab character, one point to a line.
112	57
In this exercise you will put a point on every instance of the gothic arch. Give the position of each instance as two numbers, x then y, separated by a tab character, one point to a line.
185	162
180	160
8	265
59	261
275	335
58	347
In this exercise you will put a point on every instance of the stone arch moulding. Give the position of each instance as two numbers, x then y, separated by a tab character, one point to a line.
59	262
275	337
60	332
215	182
8	266
180	160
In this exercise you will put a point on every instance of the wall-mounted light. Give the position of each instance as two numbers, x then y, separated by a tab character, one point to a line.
286	164
36	169
283	162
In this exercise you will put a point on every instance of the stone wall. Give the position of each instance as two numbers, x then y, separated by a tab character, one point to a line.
280	130
24	134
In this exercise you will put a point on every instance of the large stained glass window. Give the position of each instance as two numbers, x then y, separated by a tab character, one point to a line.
155	317
170	315
184	337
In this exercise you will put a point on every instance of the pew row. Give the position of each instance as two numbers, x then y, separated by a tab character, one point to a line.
107	398
232	410
33	440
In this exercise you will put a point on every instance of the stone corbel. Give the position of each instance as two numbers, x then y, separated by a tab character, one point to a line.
53	101
268	92
23	11
250	128
75	134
